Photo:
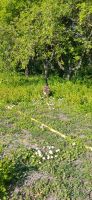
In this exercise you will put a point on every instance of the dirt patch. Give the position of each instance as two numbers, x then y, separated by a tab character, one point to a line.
35	176
90	195
24	188
63	117
12	142
25	131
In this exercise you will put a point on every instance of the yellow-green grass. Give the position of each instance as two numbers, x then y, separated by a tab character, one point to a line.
69	111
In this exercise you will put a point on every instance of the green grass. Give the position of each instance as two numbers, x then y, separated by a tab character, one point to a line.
69	111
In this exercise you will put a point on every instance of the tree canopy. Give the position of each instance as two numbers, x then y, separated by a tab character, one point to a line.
57	33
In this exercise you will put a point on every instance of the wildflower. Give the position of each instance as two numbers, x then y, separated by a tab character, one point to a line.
56	156
48	157
52	147
60	99
51	157
73	144
50	152
32	156
44	158
42	127
49	147
39	153
10	107
57	150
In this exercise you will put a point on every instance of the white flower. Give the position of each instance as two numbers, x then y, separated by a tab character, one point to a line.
48	147
38	152
44	158
51	152
51	157
56	156
42	127
10	107
73	144
48	157
52	147
57	150
32	156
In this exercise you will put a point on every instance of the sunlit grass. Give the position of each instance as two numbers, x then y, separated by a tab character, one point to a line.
69	111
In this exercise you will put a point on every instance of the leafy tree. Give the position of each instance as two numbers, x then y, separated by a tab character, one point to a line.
46	34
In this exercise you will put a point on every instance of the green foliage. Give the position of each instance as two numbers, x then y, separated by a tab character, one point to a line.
38	31
12	167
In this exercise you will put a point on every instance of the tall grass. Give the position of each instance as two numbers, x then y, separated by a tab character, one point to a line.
16	88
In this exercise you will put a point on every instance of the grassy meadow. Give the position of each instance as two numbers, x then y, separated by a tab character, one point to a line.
35	162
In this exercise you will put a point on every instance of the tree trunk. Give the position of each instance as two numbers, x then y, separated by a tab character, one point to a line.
69	73
27	71
46	72
69	70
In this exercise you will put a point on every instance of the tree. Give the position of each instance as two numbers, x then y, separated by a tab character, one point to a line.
51	34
